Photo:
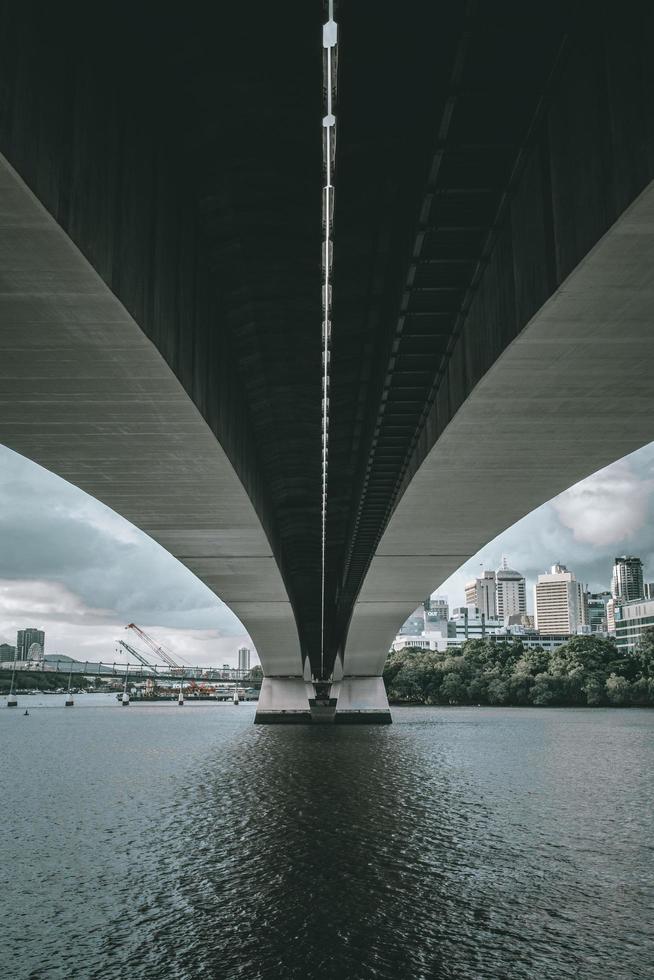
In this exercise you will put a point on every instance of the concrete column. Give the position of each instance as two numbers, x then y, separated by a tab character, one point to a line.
361	701
292	701
284	701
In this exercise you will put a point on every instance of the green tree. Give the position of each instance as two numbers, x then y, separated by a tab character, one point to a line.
453	689
618	690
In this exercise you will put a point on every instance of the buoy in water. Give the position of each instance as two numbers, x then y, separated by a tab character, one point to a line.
180	700
26	712
236	701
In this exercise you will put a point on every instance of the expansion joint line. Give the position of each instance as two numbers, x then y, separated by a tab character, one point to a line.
329	42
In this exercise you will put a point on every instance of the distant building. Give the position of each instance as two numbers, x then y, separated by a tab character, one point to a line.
610	616
596	603
30	644
631	619
520	619
480	594
243	658
648	590
559	603
423	641
471	624
436	612
627	581
531	638
7	652
510	592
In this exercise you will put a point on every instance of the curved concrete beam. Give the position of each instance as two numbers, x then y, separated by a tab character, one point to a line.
85	394
573	393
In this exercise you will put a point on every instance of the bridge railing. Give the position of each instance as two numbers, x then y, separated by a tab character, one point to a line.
133	671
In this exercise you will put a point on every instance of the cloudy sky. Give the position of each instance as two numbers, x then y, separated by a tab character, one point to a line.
72	567
610	513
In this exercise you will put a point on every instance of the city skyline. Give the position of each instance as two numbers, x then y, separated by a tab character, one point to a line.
80	572
610	513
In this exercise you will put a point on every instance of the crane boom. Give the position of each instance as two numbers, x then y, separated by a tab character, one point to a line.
139	656
156	648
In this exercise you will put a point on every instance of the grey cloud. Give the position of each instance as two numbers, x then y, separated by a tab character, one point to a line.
608	514
52	532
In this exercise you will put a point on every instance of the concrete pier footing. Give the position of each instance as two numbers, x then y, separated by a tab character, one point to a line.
352	701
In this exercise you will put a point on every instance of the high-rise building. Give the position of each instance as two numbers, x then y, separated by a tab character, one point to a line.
510	592
649	590
596	603
480	594
30	644
559	602
7	652
243	658
627	582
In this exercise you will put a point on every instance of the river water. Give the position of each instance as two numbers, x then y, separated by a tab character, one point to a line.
156	842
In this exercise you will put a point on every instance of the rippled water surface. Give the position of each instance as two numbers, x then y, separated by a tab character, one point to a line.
155	841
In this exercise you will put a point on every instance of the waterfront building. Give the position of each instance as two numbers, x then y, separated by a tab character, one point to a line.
468	623
243	658
7	652
631	619
480	594
30	644
422	641
627	580
596	603
530	638
510	592
559	602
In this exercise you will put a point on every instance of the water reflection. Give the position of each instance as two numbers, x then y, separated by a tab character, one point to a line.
454	844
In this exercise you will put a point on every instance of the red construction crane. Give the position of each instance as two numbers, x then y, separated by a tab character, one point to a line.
156	648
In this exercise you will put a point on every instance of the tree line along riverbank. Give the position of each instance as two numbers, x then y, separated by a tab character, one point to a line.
585	671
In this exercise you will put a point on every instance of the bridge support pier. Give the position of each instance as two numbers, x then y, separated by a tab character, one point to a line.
292	701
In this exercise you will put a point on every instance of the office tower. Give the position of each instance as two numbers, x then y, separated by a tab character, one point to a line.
559	602
480	594
627	582
596	603
7	652
30	644
243	658
649	590
510	592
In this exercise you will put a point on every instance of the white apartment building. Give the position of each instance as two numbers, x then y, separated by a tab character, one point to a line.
559	602
510	592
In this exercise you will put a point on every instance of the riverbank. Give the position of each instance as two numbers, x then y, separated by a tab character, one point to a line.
588	671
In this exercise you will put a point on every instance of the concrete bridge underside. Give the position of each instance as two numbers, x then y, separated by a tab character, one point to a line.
492	304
